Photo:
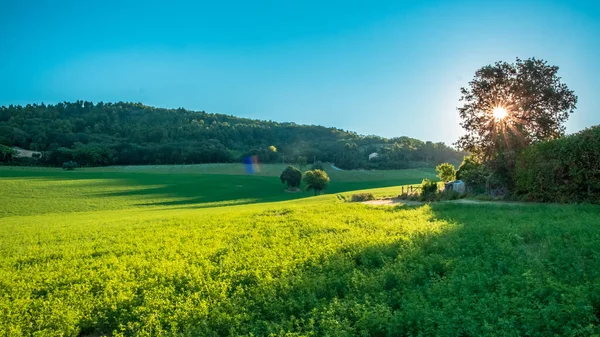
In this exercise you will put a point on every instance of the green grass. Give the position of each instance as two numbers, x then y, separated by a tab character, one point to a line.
112	188
106	252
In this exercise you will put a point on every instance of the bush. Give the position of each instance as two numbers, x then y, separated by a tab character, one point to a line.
301	161
69	165
362	197
446	172
429	190
7	153
561	170
474	174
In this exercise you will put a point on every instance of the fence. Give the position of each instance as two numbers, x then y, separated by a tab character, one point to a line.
411	189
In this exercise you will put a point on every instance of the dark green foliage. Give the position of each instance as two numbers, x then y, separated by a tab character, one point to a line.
474	174
428	186
301	161
291	176
7	154
446	172
562	170
429	190
316	180
135	134
69	165
362	197
537	105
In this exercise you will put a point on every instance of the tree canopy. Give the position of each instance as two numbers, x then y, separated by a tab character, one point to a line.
316	180
508	106
291	176
446	172
7	153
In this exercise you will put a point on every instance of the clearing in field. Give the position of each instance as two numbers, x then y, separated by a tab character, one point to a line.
169	252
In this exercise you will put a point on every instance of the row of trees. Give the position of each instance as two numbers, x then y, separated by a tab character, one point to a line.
315	179
134	134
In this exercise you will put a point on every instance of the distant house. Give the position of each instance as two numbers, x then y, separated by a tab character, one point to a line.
22	153
373	155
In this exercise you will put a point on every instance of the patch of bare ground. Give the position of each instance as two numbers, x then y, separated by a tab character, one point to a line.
392	202
396	202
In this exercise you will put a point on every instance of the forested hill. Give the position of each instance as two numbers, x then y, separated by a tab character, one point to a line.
133	134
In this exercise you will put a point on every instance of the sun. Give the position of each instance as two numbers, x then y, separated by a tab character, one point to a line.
499	113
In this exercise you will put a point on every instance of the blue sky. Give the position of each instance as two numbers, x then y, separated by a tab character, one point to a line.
390	68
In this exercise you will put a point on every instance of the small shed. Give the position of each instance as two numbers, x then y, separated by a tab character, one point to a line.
456	185
373	155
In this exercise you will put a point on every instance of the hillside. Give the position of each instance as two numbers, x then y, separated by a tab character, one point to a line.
134	134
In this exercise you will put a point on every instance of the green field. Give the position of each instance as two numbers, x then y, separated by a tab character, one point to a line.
210	251
37	191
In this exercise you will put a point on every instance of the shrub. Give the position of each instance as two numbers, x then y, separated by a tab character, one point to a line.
446	172
69	165
301	161
429	190
474	174
362	197
429	186
561	170
7	153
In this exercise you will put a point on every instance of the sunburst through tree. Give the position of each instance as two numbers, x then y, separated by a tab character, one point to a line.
510	105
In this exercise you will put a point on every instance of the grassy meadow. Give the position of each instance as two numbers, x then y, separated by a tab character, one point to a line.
210	251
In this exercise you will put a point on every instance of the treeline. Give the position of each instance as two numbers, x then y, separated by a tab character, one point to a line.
134	134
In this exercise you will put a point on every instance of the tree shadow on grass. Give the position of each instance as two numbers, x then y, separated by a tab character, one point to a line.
489	271
184	190
486	270
200	190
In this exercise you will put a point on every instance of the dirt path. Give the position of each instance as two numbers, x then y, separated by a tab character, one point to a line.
479	202
397	202
393	202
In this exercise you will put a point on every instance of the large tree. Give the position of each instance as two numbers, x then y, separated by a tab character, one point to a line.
508	106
